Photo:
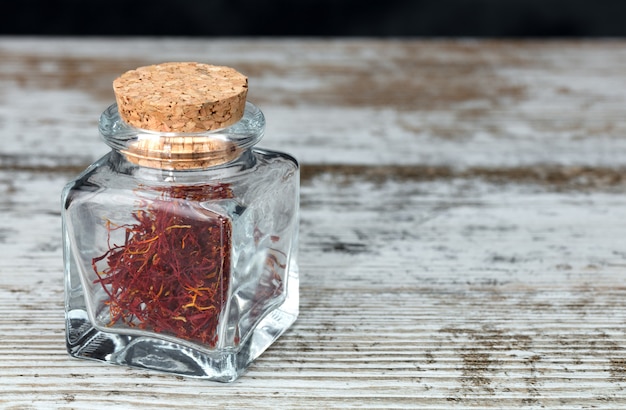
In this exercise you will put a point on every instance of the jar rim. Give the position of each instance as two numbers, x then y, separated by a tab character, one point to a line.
182	150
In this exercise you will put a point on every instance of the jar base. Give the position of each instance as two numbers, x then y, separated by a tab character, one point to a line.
85	341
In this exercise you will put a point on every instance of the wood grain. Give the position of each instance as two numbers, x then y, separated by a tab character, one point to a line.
462	216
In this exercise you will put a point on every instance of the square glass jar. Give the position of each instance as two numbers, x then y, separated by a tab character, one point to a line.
182	261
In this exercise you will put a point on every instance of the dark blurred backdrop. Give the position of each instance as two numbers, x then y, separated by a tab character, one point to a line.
382	18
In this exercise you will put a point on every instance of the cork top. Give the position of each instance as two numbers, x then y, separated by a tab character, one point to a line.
179	107
181	97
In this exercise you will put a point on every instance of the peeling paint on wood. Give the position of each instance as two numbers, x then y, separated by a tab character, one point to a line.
462	208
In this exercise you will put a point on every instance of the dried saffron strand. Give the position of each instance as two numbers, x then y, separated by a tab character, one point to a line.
171	275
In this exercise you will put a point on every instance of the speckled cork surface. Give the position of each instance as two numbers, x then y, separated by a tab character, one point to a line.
181	97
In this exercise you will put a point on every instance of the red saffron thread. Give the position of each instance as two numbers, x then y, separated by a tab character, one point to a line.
171	274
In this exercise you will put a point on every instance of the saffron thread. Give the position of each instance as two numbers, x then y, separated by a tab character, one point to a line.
171	274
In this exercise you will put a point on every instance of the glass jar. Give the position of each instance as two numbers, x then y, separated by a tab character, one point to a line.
179	260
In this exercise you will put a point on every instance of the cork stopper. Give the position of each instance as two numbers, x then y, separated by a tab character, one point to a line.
182	98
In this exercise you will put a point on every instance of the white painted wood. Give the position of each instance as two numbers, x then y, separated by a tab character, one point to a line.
462	222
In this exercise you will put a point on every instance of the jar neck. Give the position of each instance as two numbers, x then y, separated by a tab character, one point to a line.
119	162
182	151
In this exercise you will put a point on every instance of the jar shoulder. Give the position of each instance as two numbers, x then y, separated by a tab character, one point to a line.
267	156
111	175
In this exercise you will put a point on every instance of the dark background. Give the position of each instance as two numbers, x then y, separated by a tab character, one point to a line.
319	18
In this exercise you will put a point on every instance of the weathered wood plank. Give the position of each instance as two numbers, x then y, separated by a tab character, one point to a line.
473	299
470	260
461	103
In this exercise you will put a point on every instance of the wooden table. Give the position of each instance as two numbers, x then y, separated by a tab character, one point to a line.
462	234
